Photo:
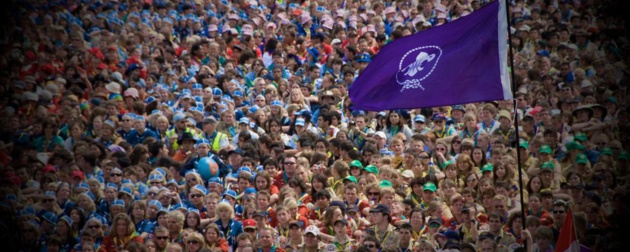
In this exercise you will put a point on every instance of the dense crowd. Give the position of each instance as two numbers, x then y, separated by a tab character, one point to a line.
216	125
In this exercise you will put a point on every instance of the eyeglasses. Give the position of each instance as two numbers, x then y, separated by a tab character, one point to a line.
374	193
151	194
440	149
191	180
94	226
457	142
289	163
558	212
115	175
195	196
192	242
370	245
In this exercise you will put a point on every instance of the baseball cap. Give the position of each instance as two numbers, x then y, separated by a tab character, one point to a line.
356	163
249	223
380	208
545	149
548	166
312	230
487	167
429	186
380	134
581	159
371	169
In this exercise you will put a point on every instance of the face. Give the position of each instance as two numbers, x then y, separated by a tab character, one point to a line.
121	227
265	238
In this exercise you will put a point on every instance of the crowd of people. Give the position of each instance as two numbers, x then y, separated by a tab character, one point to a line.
216	125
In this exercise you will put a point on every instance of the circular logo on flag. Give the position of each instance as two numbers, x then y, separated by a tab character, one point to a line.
416	65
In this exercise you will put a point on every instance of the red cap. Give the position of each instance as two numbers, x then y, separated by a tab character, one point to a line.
78	174
249	223
49	168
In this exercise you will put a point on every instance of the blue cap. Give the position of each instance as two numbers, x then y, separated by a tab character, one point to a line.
244	120
200	188
89	194
163	209
118	202
215	180
50	194
276	103
112	185
50	217
161	171
300	122
243	169
29	210
217	91
126	190
419	118
438	116
237	93
83	185
178	206
192	210
253	109
156	177
364	57
230	193
178	117
155	203
67	219
250	190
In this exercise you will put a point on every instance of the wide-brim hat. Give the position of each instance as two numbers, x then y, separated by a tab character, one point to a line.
329	93
583	107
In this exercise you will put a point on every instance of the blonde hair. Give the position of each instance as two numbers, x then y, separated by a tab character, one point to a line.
224	206
197	237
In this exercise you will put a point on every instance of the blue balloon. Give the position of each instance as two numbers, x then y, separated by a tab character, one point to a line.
207	168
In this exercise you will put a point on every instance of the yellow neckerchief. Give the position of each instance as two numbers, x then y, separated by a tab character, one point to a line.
336	183
342	246
414	198
506	136
387	233
283	232
417	235
467	233
125	240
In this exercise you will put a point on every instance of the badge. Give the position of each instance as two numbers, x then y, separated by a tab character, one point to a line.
330	247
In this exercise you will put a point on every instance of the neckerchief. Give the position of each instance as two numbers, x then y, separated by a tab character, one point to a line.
485	127
417	235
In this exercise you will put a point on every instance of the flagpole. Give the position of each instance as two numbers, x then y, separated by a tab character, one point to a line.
516	143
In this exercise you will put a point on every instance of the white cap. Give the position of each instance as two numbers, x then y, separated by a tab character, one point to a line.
380	134
408	174
335	41
312	229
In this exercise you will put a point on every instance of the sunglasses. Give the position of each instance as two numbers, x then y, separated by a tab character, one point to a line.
115	175
161	237
192	242
191	180
195	196
289	163
458	142
370	245
558	212
440	149
94	226
434	225
374	193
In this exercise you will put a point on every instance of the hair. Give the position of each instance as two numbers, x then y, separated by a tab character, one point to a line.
224	206
198	237
131	227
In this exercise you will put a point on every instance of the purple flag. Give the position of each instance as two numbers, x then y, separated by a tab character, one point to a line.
459	62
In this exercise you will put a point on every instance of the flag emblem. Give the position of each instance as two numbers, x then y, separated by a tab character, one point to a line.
416	65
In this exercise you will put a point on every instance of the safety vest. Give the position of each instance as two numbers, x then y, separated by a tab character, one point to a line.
216	142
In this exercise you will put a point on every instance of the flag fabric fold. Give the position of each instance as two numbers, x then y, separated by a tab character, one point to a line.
567	240
459	62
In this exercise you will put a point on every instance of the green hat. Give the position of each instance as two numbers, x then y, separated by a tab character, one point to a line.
487	167
545	149
356	163
351	178
581	159
548	165
371	169
386	183
606	151
624	155
573	145
523	144
428	186
581	136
